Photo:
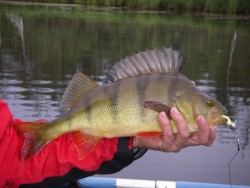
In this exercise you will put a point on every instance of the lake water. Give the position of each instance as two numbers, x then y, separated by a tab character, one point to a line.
41	47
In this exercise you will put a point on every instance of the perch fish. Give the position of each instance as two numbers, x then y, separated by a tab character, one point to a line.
134	91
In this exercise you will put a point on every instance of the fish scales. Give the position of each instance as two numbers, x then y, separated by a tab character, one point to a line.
114	109
127	108
134	91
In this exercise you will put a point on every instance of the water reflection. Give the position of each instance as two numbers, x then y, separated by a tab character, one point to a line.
41	48
17	21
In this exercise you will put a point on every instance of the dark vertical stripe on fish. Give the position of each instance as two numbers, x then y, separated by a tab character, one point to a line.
141	88
160	80
112	96
171	91
87	100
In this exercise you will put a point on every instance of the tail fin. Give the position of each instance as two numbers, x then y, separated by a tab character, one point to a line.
34	140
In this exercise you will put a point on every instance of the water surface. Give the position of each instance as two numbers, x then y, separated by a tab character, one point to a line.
42	47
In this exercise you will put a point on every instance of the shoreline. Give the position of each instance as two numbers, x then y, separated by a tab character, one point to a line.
116	8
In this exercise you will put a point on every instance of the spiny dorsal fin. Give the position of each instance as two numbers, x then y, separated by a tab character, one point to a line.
77	88
151	61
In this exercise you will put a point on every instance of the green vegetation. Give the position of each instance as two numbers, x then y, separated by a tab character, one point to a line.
239	7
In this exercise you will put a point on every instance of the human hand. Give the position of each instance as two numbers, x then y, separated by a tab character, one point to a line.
170	142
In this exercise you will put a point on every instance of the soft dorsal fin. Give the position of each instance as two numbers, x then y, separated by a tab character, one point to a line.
78	87
151	61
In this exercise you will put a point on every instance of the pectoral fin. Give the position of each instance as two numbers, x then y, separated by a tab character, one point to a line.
158	107
84	144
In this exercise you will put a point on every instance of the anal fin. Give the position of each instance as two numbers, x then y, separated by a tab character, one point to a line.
84	144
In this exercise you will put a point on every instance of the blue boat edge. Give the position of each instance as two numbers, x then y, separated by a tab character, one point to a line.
100	182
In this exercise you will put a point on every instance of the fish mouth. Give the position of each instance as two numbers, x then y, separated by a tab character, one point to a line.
217	118
219	121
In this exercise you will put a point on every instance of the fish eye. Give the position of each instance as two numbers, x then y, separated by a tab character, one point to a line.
210	103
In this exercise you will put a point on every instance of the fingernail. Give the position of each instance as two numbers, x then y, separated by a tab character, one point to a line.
163	115
200	118
174	111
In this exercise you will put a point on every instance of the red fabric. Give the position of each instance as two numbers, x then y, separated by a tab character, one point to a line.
56	159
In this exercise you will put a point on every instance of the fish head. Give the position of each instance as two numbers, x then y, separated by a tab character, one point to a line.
211	109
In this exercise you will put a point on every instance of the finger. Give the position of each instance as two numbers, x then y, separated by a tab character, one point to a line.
165	125
183	132
167	141
203	130
204	136
212	136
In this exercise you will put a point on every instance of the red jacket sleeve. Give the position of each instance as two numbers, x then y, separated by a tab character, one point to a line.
57	160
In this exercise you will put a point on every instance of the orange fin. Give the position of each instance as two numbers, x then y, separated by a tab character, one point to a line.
158	107
84	144
33	138
148	134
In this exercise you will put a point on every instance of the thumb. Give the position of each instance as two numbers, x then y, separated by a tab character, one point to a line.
165	124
